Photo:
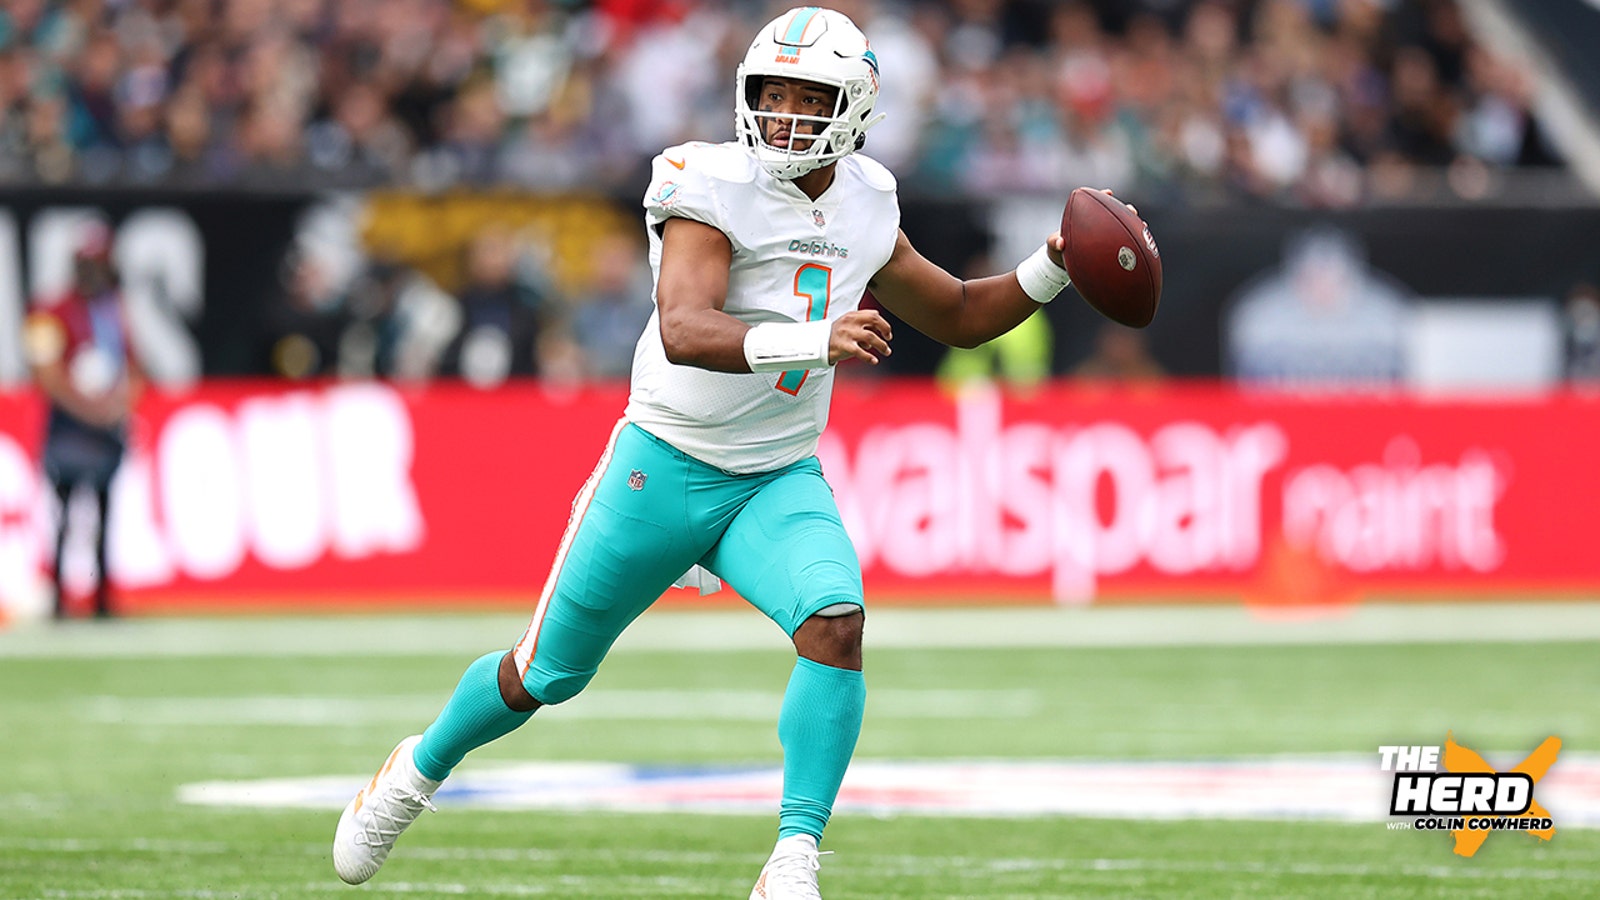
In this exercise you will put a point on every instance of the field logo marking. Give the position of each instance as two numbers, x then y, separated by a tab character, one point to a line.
1342	788
1467	797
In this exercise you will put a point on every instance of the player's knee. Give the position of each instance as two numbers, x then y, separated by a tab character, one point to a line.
549	689
512	691
833	640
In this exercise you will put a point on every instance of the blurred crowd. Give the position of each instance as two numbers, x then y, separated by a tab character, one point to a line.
505	317
1314	102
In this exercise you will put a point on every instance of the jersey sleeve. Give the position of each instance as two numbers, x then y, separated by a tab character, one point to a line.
882	181
683	184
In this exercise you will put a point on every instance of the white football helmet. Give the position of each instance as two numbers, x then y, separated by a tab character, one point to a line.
809	44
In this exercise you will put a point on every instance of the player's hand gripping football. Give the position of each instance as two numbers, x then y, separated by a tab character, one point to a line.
863	334
1057	244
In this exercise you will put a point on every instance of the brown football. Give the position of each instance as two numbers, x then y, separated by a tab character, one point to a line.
1111	257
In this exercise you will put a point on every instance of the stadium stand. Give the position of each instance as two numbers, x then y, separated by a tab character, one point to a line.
1297	101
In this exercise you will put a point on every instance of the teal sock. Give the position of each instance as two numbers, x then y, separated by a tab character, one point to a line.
475	715
818	727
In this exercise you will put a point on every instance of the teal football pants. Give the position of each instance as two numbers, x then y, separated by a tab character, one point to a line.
650	512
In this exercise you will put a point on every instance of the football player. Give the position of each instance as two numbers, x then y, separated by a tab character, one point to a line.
761	249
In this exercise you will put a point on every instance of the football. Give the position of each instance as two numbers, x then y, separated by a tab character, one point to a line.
1111	257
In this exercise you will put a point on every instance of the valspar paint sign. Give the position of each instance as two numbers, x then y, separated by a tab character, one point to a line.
1084	493
375	494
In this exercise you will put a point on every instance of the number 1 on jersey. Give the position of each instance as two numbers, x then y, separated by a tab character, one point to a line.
814	284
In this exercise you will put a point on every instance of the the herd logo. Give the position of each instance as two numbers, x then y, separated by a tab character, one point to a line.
1468	797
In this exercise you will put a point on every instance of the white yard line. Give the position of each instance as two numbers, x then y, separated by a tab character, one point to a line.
557	885
744	629
598	704
945	867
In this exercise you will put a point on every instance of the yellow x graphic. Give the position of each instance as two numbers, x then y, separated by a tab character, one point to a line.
1464	759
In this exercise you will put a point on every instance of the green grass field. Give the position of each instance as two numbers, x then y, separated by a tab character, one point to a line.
100	725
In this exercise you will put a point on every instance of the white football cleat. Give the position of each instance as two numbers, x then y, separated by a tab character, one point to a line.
374	819
791	871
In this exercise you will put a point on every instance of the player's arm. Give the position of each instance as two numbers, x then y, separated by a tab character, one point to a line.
691	292
965	313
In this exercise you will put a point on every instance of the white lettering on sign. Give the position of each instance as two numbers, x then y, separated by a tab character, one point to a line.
286	479
161	256
1398	515
289	479
1081	502
202	492
53	234
19	531
139	549
13	364
369	439
1077	503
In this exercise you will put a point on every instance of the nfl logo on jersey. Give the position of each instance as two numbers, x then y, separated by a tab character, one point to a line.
636	479
816	215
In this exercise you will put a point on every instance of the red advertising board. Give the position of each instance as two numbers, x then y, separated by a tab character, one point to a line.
1203	490
342	494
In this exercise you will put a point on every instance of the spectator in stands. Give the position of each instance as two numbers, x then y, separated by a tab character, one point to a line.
303	329
269	147
1583	333
1121	354
608	318
504	310
78	346
399	324
48	146
554	152
361	142
193	155
469	150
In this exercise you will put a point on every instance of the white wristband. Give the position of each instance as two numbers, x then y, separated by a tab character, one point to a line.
787	346
1040	277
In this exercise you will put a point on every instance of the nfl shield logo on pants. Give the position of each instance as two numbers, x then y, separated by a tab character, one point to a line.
636	479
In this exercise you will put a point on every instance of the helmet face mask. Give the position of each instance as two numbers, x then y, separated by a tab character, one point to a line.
803	129
820	47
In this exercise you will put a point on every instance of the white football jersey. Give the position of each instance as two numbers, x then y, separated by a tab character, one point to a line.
794	260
